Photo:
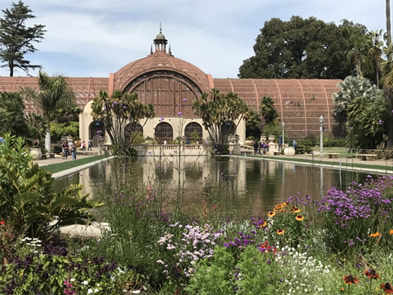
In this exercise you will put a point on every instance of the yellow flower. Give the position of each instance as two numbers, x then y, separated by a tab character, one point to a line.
279	206
271	214
377	234
280	232
299	218
296	209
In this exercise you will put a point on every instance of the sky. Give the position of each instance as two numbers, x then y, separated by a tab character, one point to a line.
93	38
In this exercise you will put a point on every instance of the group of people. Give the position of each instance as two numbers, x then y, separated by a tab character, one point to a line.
70	148
261	147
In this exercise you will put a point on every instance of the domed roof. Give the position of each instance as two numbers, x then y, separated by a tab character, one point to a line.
160	36
159	61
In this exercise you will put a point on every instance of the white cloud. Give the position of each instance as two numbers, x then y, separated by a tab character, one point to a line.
97	37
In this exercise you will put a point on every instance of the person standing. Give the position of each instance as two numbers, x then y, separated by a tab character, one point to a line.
83	146
294	145
65	150
90	143
73	151
255	148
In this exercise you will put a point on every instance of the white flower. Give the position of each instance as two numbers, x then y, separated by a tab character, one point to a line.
136	292
160	261
85	283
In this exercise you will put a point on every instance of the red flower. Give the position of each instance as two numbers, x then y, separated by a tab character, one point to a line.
387	288
349	279
2	222
371	274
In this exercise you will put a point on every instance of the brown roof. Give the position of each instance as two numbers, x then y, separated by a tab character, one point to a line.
300	102
85	89
159	60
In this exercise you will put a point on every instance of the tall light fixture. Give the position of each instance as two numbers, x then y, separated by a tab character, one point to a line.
321	130
283	133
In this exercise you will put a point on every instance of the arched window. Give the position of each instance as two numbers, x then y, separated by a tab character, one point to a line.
97	131
163	131
133	131
193	132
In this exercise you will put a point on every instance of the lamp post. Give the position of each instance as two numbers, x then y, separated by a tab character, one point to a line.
321	130
283	133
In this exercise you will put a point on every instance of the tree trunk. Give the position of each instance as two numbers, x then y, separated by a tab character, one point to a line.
388	25
389	90
47	139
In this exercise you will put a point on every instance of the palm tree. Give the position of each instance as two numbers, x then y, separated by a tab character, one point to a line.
53	94
375	53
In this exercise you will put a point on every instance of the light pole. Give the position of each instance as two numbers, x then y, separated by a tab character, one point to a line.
283	133
321	130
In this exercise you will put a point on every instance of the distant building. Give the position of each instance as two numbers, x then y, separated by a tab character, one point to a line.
171	84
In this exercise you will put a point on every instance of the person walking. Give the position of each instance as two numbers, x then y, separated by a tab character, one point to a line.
89	143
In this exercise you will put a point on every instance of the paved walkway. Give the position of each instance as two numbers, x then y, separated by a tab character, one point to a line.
334	162
59	158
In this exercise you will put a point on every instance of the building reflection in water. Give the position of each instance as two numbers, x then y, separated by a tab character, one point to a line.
202	184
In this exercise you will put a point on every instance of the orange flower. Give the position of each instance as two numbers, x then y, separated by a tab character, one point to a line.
263	224
377	234
391	232
2	222
271	214
285	203
280	232
283	210
279	206
299	218
349	279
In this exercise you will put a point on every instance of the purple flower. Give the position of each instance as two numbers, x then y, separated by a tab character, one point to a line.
180	114
184	99
380	122
162	118
124	107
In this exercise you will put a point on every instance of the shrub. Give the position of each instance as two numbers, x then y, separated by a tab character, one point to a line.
27	200
53	270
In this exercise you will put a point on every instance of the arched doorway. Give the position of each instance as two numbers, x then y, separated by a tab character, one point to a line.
193	132
97	130
228	128
163	131
133	132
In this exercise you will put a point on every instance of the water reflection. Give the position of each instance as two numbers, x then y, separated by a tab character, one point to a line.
239	186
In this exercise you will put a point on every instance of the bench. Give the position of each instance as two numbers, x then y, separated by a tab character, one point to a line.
51	155
277	153
333	155
367	157
43	156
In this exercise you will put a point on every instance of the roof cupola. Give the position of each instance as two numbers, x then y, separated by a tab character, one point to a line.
160	42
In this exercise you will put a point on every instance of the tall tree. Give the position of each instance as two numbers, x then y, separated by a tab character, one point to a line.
53	94
375	55
216	109
387	71
11	114
301	48
267	110
16	39
116	111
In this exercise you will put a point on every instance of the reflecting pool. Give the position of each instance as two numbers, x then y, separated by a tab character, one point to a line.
203	185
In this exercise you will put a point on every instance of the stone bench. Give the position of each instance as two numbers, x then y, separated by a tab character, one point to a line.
44	156
367	157
333	155
277	153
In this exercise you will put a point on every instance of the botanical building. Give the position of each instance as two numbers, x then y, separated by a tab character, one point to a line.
171	84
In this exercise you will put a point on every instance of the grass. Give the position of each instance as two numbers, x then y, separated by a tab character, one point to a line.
58	167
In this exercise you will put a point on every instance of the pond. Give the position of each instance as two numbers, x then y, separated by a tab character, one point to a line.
244	187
